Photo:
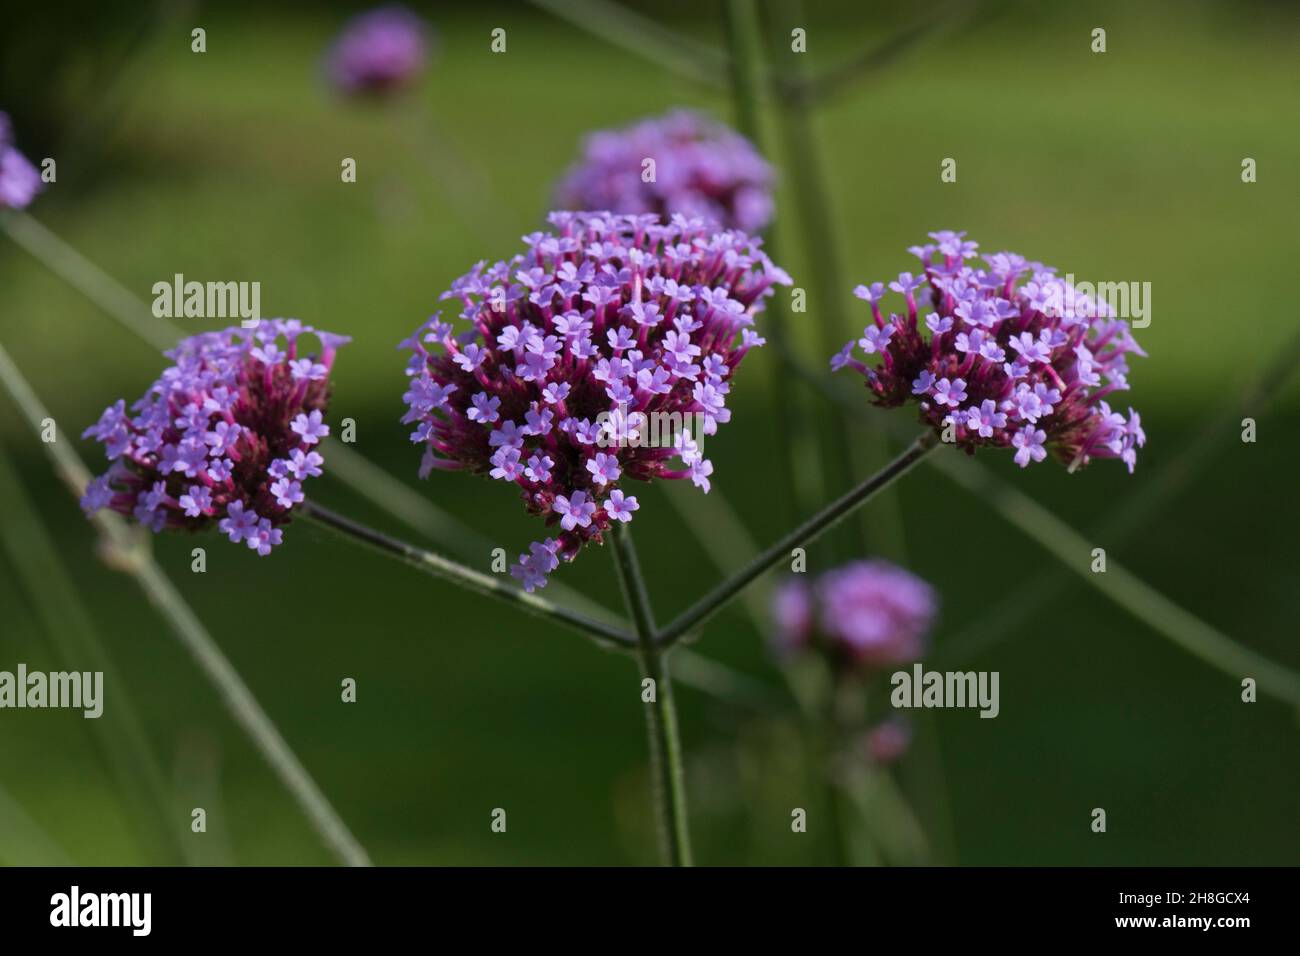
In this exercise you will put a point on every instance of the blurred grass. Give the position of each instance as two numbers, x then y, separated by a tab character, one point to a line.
1118	166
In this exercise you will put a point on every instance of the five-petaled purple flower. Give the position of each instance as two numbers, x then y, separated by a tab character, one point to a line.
224	437
864	614
379	51
19	180
700	168
1026	366
601	354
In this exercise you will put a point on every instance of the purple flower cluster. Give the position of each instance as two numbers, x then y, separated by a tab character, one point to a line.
863	614
887	741
379	51
601	354
19	180
701	168
1026	366
226	436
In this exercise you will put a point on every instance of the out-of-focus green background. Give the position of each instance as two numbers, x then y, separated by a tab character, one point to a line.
1117	166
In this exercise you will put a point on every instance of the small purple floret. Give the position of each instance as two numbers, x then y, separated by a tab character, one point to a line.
19	180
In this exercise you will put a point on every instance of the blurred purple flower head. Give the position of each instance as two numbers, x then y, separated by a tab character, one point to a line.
379	51
864	614
602	353
886	742
19	180
1026	366
226	436
701	168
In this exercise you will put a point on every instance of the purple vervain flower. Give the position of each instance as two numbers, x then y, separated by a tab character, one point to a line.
379	51
1007	365
223	437
864	614
888	740
620	506
573	391
19	180
701	168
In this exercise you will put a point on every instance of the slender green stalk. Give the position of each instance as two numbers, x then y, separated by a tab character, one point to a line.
101	289
643	37
197	776
399	500
872	60
1129	517
805	491
848	450
807	532
119	734
476	581
128	554
1127	590
661	713
248	713
800	469
722	535
726	684
1121	586
744	41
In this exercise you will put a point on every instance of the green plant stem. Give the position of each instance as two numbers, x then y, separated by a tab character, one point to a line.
805	488
476	581
868	62
744	41
666	764
807	532
119	734
129	552
644	37
800	472
1128	518
101	289
849	450
1127	590
248	713
722	535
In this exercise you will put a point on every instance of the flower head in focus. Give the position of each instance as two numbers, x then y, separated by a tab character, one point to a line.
226	436
1026	365
701	168
19	179
865	614
601	354
379	51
